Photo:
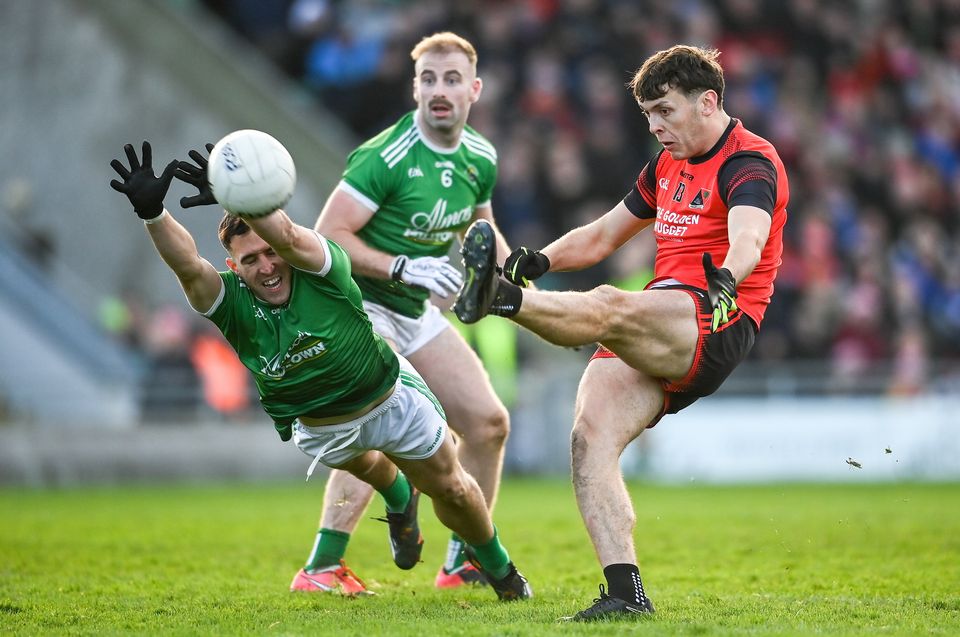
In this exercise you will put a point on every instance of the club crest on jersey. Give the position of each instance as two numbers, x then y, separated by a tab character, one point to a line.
472	173
700	200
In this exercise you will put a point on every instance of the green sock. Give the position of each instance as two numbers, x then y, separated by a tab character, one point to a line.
397	495
455	555
493	557
328	549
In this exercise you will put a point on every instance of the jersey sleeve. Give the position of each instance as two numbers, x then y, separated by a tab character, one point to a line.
642	198
336	268
336	273
221	313
367	177
748	179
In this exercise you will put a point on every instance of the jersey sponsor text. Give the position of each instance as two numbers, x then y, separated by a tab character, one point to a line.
430	226
303	349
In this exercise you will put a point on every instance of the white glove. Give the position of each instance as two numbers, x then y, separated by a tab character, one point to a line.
431	273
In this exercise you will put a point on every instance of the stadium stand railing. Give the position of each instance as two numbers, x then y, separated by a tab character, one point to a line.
53	351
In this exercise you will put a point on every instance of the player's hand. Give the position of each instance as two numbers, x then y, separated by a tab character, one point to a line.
722	290
524	265
143	188
196	176
431	273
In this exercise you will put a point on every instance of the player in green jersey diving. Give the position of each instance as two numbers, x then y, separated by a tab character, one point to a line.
288	306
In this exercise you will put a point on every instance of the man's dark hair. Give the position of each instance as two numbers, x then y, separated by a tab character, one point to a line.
231	226
690	69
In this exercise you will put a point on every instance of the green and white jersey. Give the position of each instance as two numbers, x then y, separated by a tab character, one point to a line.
422	197
317	355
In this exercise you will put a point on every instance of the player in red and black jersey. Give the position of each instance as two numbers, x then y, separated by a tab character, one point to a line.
715	197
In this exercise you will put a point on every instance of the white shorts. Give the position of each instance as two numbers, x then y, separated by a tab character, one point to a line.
409	424
409	334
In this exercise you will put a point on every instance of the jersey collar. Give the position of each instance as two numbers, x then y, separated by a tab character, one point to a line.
429	144
716	147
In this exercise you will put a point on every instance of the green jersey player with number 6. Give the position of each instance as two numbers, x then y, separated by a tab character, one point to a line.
288	306
406	195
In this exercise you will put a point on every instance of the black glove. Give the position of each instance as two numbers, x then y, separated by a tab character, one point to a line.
196	176
722	290
144	189
524	265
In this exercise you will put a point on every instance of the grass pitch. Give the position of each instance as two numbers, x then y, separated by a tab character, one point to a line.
202	559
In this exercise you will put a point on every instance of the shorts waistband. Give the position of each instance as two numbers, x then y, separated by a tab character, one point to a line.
662	283
378	411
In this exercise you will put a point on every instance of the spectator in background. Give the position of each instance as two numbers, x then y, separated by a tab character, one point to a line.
859	345
268	26
36	243
225	381
123	317
170	386
340	60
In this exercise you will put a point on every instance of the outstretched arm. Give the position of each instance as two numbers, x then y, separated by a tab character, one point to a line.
580	248
590	244
198	278
298	246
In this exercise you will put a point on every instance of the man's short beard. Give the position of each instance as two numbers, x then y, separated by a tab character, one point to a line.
444	124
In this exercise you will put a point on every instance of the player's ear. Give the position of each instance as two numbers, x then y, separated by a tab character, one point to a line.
232	265
708	102
475	89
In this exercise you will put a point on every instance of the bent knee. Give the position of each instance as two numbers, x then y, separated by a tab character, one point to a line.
455	491
610	302
607	294
489	430
589	442
586	427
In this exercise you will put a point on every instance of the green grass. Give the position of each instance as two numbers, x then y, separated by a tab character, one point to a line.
201	559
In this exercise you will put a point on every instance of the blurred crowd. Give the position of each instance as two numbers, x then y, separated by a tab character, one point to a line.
861	98
191	371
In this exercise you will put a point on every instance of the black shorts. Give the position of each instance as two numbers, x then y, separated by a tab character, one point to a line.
716	355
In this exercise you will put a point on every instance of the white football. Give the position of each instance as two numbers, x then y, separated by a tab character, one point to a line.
251	173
